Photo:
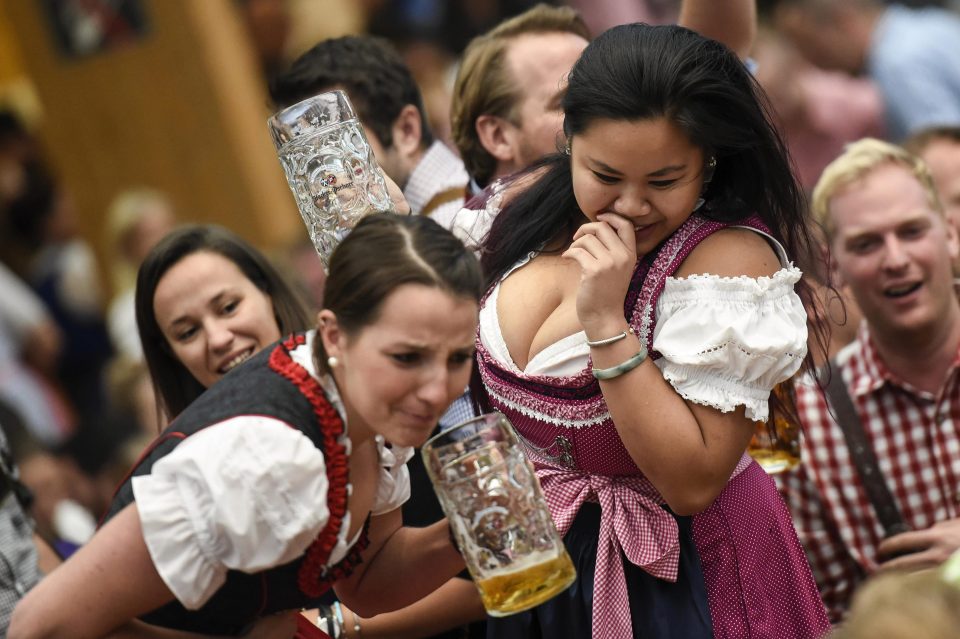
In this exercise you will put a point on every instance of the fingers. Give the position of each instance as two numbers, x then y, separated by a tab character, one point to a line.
610	241
929	558
908	542
624	229
400	204
613	230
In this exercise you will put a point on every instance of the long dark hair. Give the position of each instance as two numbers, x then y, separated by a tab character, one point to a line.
385	251
174	386
640	72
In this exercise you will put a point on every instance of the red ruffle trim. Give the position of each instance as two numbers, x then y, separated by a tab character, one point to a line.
314	578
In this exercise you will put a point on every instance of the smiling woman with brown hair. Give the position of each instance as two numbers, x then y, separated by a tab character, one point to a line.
206	300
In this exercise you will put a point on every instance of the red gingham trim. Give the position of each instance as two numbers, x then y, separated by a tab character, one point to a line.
311	578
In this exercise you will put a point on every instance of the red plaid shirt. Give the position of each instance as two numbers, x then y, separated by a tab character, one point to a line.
916	436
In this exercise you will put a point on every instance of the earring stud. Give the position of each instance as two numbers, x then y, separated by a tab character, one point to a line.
332	362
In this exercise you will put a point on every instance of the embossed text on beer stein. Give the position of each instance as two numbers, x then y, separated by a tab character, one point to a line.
497	513
329	166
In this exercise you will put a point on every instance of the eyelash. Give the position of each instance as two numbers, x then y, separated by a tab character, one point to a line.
406	359
657	184
412	359
461	358
606	179
662	184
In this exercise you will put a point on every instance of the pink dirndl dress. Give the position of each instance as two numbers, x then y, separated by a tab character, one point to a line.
758	582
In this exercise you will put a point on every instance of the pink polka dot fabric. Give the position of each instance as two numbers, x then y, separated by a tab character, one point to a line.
759	583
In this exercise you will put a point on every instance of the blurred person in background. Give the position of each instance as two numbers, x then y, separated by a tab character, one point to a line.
298	262
30	344
60	497
60	266
136	220
817	111
268	24
600	15
24	556
431	35
939	147
18	149
910	53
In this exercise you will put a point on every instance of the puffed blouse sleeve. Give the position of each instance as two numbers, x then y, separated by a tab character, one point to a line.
245	494
727	341
393	489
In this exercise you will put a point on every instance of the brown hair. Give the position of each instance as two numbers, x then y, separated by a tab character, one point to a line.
173	384
484	85
385	251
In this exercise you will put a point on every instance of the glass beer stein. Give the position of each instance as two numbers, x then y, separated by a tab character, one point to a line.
329	166
776	442
497	513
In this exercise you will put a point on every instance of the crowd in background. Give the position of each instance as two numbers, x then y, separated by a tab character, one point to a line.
76	400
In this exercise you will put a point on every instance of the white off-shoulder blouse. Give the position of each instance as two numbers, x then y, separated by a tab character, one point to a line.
725	341
247	494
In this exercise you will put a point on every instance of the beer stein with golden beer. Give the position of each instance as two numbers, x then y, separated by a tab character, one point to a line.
497	513
329	166
776	442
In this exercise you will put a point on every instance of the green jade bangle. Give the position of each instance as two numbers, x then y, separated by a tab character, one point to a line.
624	367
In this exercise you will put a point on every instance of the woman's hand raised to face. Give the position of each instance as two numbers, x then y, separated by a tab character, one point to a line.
606	251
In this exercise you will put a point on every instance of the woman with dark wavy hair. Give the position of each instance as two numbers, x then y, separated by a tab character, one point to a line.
641	307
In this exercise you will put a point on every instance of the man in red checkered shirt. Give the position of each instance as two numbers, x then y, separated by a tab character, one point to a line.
892	247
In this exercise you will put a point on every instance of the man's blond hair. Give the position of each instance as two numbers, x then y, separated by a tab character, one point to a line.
484	85
857	160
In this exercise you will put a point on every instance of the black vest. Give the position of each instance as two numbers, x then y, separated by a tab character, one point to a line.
270	384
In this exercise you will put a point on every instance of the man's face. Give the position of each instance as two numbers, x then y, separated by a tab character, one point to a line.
943	158
540	64
894	252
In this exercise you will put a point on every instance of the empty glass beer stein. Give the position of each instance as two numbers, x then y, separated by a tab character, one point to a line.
497	513
329	165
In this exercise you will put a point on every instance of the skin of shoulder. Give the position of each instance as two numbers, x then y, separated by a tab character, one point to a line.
730	253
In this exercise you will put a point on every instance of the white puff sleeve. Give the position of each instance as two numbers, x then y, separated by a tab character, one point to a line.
393	489
727	341
246	494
